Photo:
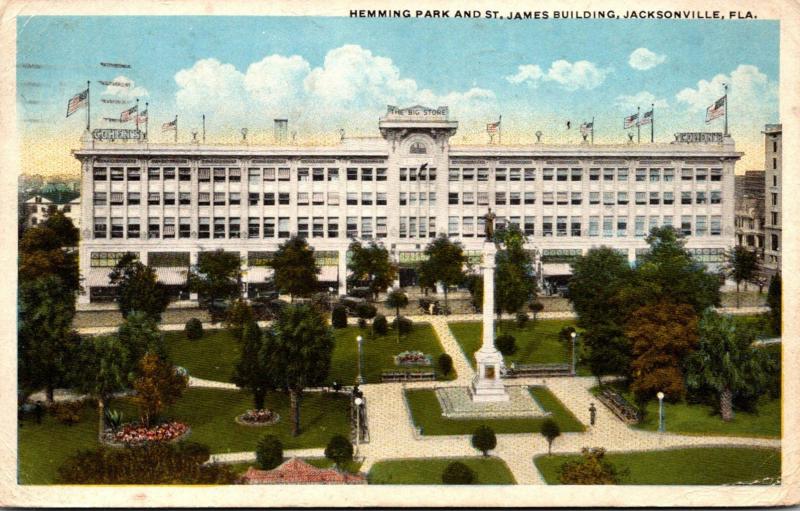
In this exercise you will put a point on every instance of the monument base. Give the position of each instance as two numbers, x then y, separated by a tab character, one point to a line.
487	386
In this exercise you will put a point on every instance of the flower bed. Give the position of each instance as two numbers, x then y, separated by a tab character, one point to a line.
262	417
412	358
137	434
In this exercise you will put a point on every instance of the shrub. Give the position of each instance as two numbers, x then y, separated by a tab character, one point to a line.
484	439
113	418
339	450
458	473
591	469
379	325
551	431
362	323
522	319
193	329
238	315
565	334
339	316
506	343
269	452
68	412
445	363
403	324
366	310
536	308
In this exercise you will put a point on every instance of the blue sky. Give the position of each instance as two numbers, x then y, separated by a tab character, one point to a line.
325	73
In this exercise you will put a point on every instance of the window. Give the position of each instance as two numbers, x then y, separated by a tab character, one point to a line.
418	148
153	227
654	199
547	174
333	227
594	174
253	176
352	227
403	200
639	226
655	175
403	231
514	198
667	221
687	175
169	198
575	226
219	198
352	174
483	198
269	227
219	228
184	174
403	174
253	227
204	174
653	223
380	227
283	198
608	174
686	225
529	227
594	197
134	174
134	229
669	198
686	198
452	198
530	197
184	227
622	226
561	174
333	198
701	198
774	242
594	226
269	199
468	175
302	227
530	175
318	198
577	174
153	198
622	174
203	227
366	198
547	198
608	198
716	225
483	174
366	174
318	227
468	198
641	174
283	174
774	198
302	198
352	198
701	174
500	198
514	220
380	174
319	174
219	175
432	198
775	180
468	227
452	226
773	216
547	226
108	259
169	228
252	199
117	199
716	175
302	174
169	173
100	174
700	226
234	228
516	174
154	174
622	198
562	198
117	227
184	198
575	199
333	174
669	175
608	226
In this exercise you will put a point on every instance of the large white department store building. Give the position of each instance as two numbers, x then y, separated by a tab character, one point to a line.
169	203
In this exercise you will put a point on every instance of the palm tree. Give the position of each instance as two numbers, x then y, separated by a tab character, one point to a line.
727	361
397	298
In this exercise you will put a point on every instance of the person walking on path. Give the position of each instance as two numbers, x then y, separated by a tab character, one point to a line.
592	414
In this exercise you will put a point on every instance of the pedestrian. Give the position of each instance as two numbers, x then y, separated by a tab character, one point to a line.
38	411
431	308
592	414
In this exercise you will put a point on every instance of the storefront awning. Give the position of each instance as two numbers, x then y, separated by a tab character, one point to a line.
97	277
258	274
172	276
556	269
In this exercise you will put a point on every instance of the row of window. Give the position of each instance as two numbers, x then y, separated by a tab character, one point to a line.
576	174
469	226
576	198
234	174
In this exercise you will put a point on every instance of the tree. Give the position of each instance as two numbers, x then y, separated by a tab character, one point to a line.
662	335
295	268
339	450
774	303
66	234
741	265
297	354
445	260
727	362
591	469
157	386
339	316
594	287
397	299
609	351
46	341
269	452
139	335
551	431
536	307
484	439
445	363
138	288
44	250
457	472
371	267
217	276
238	315
249	372
515	282
193	329
101	371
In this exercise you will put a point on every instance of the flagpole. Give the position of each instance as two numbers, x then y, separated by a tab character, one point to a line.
652	121
638	126
88	106
726	109
593	130
146	119
500	130
176	128
204	128
137	114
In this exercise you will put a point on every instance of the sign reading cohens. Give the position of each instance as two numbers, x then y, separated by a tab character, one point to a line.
698	138
417	111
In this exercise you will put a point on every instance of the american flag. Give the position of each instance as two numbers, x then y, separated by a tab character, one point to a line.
587	128
647	118
78	100
142	116
631	121
127	115
171	125
717	109
492	127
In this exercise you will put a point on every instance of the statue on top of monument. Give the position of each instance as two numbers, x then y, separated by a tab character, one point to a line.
489	227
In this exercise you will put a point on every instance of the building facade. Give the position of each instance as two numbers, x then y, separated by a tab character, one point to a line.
773	163
171	203
749	220
38	207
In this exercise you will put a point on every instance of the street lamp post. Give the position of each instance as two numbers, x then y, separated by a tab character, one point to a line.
330	298
360	379
573	335
358	401
660	396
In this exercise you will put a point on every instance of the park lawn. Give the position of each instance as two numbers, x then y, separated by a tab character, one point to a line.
488	470
700	419
537	341
379	352
427	414
699	465
212	357
758	321
209	412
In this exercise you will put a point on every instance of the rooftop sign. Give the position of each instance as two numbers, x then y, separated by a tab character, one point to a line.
698	138
417	111
117	134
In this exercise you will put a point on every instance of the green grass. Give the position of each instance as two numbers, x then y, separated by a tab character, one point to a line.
488	470
427	413
212	357
537	342
700	419
378	353
209	412
701	465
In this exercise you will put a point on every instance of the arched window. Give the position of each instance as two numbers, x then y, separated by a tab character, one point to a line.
418	148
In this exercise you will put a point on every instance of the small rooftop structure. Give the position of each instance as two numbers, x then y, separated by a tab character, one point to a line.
297	471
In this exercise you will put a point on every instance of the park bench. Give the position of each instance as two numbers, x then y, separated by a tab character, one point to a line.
538	370
395	376
619	406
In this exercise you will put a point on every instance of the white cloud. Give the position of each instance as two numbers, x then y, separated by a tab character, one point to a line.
211	87
129	92
643	99
643	59
275	79
749	90
571	76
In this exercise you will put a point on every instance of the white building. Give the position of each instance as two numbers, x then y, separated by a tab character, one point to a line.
38	207
773	165
168	203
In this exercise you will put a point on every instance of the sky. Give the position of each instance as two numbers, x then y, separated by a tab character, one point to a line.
327	73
